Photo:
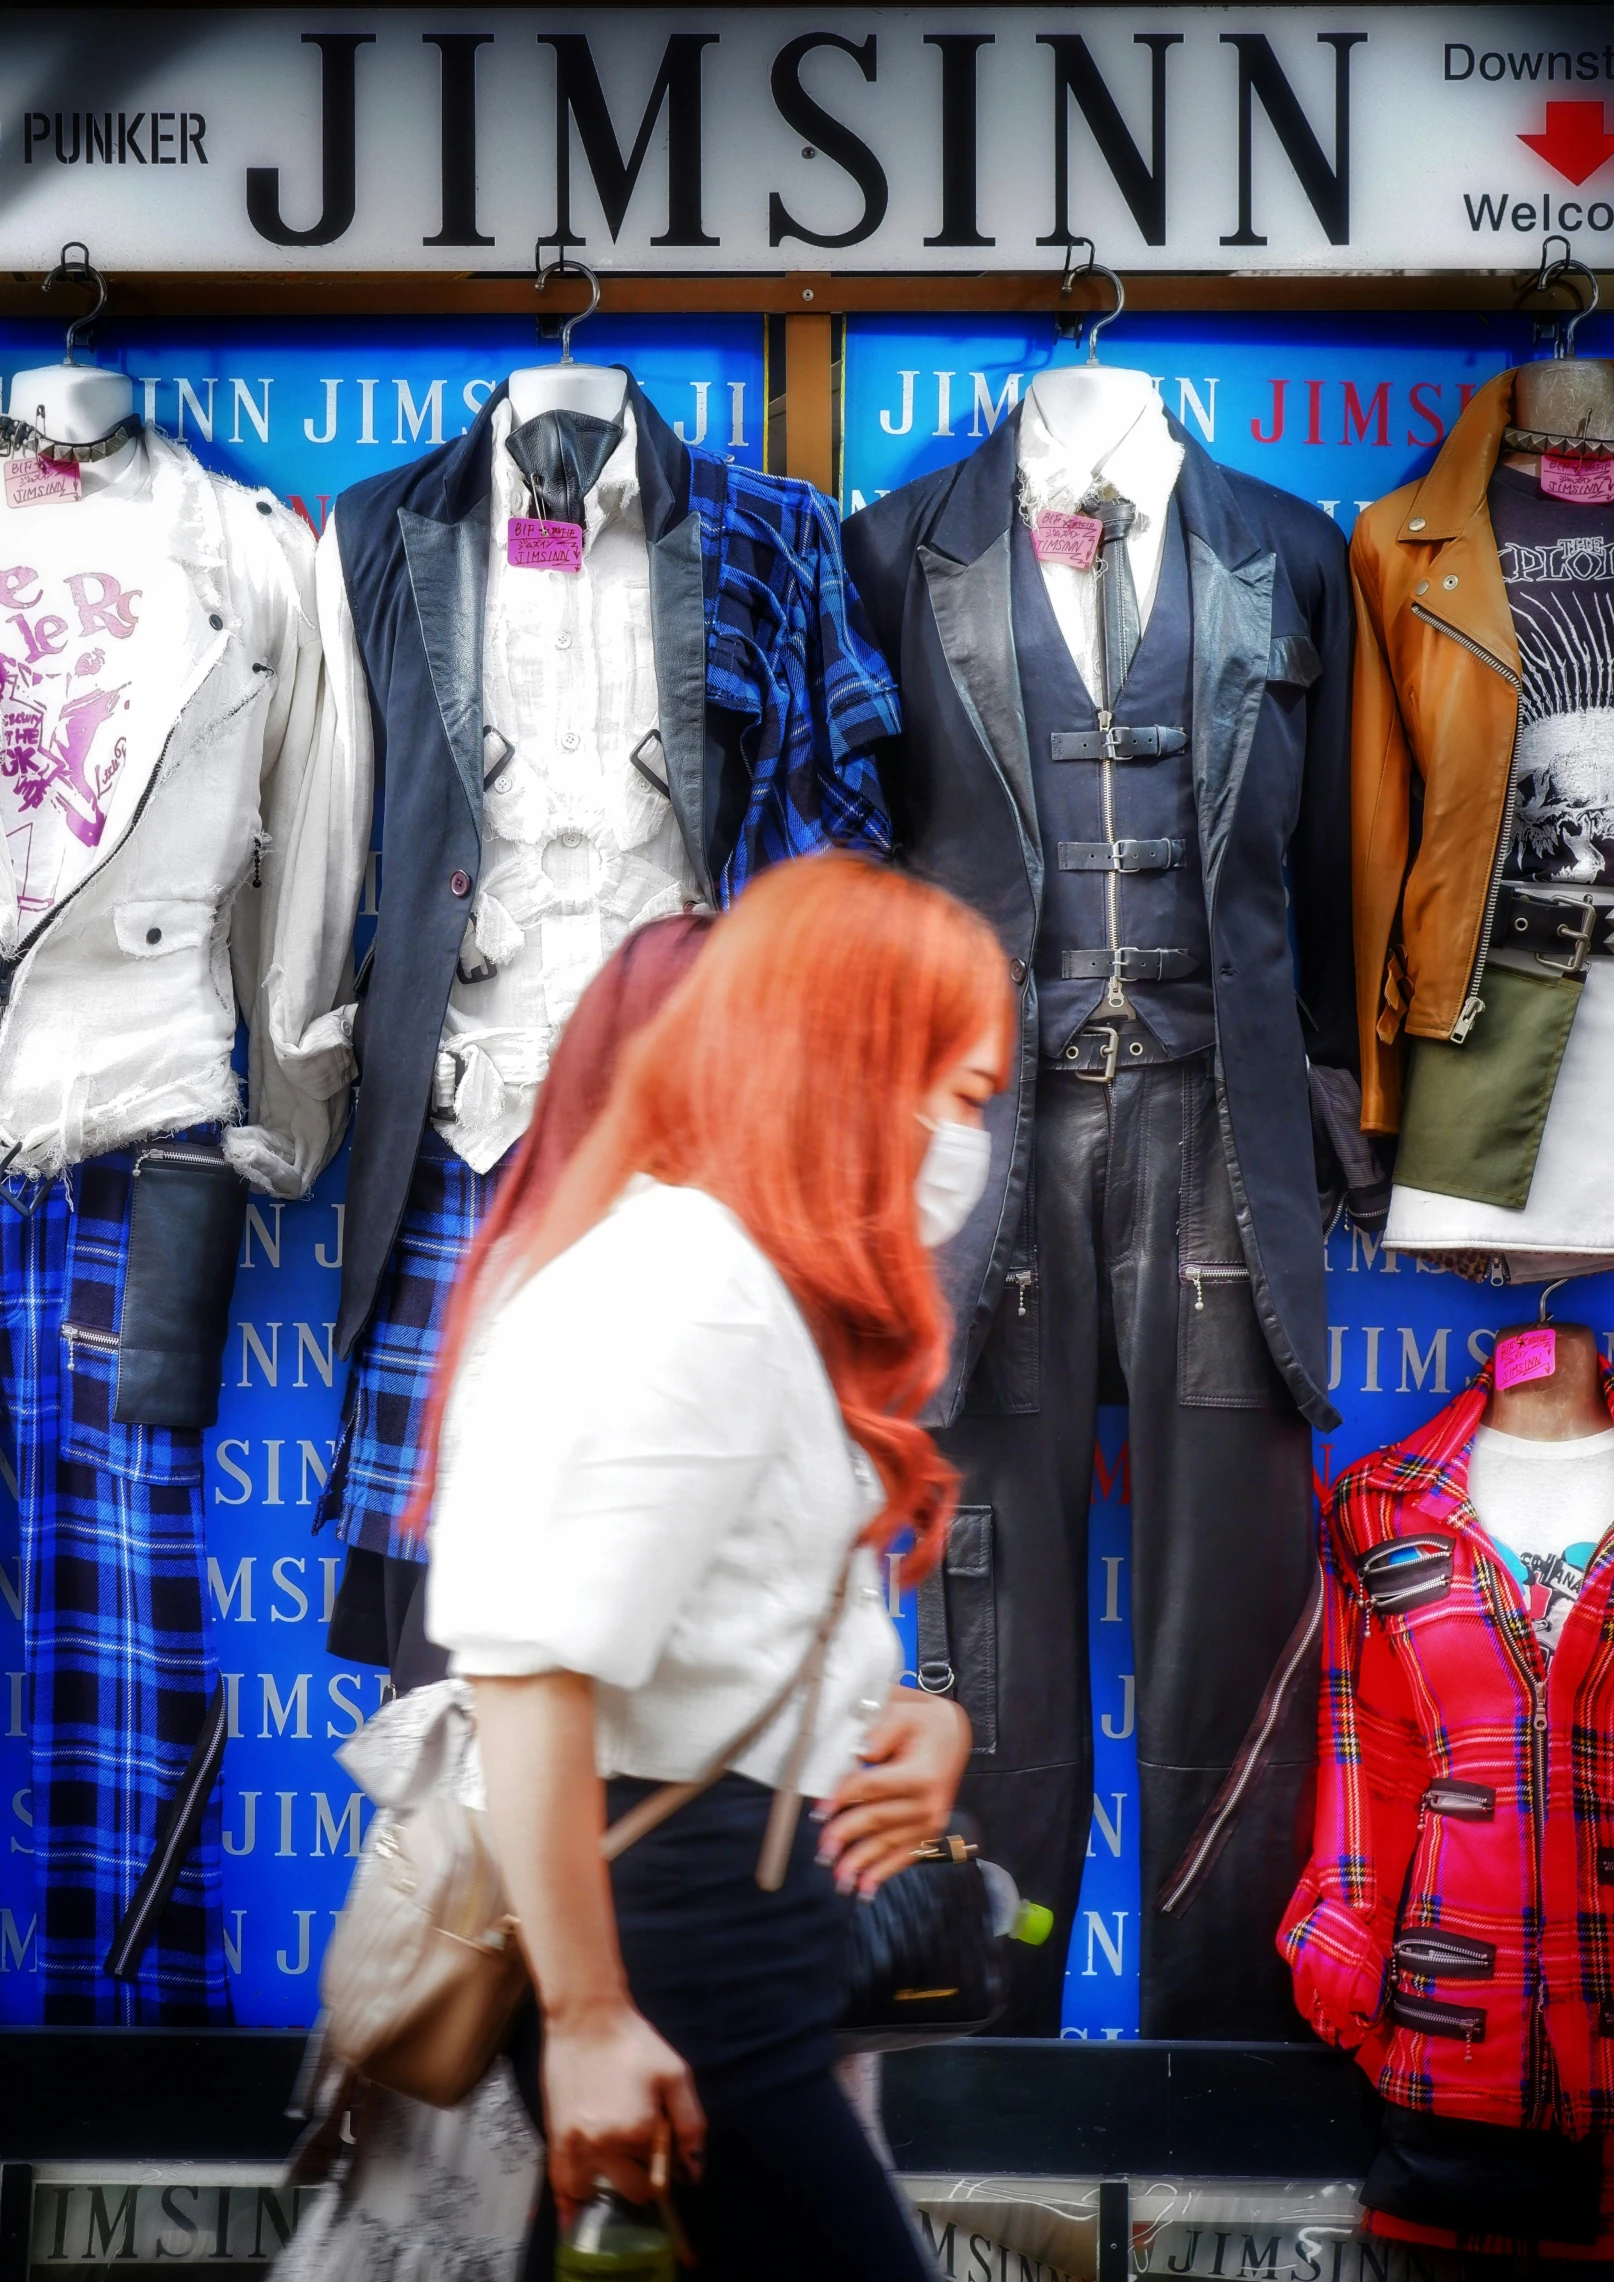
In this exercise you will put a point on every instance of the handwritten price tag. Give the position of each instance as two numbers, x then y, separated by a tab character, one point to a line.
1588	483
539	545
33	481
1062	538
1527	1355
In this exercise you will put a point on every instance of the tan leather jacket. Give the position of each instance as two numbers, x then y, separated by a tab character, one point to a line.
1436	712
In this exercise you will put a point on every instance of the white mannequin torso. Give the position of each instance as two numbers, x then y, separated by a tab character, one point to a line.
1087	409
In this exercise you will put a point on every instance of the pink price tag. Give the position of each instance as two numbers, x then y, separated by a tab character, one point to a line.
539	545
1062	538
1527	1355
1589	483
32	480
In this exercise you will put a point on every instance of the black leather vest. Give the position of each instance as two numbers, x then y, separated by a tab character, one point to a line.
1140	863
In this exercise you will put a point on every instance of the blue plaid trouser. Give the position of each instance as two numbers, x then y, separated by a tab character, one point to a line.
391	1378
115	1622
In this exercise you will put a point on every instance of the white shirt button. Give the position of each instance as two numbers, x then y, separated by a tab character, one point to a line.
563	641
869	1593
570	741
571	839
868	1706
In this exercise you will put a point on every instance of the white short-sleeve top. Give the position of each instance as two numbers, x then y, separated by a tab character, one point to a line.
645	1477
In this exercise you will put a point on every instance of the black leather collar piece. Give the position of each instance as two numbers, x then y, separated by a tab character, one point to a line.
562	456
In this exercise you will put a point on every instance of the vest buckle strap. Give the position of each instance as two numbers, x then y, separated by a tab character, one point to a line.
1119	855
1126	965
1117	742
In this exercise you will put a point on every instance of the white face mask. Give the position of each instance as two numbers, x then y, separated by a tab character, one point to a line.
952	1179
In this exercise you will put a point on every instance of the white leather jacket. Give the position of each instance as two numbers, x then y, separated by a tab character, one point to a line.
228	878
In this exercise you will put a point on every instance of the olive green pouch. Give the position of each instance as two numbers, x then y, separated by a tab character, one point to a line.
1472	1115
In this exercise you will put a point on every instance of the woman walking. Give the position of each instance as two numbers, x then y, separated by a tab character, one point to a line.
678	1415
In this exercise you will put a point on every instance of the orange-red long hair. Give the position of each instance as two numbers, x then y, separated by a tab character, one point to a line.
784	1076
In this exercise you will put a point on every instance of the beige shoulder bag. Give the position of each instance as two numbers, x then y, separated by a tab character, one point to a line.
424	1971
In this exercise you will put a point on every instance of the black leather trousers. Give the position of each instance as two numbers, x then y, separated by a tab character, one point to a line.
1129	1284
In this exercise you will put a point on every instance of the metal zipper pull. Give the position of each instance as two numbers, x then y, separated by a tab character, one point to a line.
1473	1008
1024	1277
1199	1292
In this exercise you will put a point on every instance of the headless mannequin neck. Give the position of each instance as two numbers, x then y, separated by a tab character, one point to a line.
597	389
1567	1405
1564	396
1088	408
74	404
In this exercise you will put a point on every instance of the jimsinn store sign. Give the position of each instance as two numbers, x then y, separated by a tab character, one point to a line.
859	138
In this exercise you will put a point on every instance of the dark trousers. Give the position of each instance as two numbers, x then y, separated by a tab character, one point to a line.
1130	1197
748	1988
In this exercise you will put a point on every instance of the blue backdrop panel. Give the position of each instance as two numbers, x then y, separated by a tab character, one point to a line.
1339	410
307	409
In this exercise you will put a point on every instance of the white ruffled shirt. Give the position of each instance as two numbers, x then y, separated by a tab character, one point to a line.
645	1477
578	849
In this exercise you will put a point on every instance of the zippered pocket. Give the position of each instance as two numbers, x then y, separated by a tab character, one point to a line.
1405	1573
1460	1802
1430	1953
1427	2016
1223	1361
1007	1379
92	1435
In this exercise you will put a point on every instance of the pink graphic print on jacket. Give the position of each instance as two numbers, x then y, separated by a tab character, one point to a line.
61	747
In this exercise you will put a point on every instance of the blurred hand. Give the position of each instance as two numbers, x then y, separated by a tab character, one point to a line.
900	1795
609	2083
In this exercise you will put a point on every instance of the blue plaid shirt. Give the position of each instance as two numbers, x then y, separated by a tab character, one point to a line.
788	650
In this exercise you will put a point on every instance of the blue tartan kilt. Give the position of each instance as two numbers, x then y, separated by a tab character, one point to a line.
391	1377
121	1666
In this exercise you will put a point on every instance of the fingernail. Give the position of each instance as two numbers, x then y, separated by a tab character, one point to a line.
825	1856
866	1893
820	1813
845	1880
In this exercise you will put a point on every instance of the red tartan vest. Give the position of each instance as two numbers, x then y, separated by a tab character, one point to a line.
1455	1925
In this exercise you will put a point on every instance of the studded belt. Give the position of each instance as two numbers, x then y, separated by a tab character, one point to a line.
1117	743
1126	965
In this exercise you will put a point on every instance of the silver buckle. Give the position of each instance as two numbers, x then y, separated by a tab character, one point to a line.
1580	937
1112	1053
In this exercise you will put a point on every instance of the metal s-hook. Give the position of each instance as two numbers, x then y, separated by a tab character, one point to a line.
1560	326
80	272
1070	328
1547	1291
566	266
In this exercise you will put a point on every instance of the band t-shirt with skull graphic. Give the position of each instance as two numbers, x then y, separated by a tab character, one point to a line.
1557	559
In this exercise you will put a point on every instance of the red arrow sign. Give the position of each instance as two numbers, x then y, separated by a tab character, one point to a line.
1574	143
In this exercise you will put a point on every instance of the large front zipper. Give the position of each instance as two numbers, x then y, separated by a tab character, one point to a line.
1115	998
1537	1687
1473	1005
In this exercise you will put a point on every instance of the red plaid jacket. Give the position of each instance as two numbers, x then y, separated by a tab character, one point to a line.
1455	1925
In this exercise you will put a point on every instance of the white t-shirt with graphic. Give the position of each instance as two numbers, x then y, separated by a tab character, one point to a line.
83	602
1546	1507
